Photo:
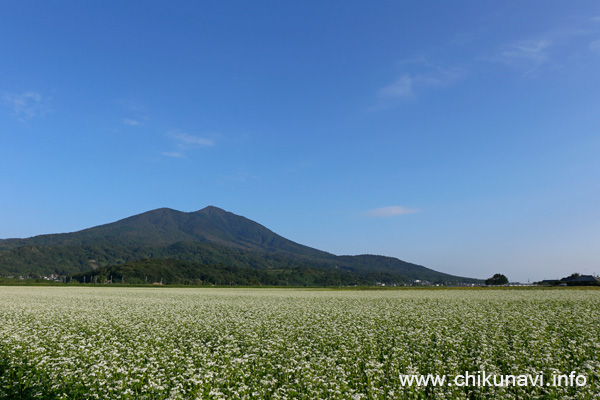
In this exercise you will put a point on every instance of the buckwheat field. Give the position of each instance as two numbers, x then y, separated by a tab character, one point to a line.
165	343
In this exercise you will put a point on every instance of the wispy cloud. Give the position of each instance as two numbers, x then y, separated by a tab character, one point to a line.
401	87
135	111
530	50
408	85
27	105
131	104
131	122
391	211
554	49
526	55
173	154
185	142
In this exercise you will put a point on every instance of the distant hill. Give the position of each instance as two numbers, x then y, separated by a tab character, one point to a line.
209	237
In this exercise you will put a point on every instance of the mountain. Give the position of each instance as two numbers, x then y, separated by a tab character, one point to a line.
165	226
208	237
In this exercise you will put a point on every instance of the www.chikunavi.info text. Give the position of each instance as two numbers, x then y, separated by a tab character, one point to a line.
482	378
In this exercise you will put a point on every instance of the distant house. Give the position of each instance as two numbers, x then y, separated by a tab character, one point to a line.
569	278
583	280
573	280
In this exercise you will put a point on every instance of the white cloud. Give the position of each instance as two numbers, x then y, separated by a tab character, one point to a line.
173	154
185	142
530	55
529	52
408	85
401	87
131	122
555	50
185	139
26	105
391	211
135	111
131	104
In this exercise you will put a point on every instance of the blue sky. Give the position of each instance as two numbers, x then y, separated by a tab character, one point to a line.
463	136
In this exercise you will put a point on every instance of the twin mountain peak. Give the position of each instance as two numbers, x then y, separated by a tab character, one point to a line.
210	236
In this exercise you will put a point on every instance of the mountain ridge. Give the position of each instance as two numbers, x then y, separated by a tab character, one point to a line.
210	235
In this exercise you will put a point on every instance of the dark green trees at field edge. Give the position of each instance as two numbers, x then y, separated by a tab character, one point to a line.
497	279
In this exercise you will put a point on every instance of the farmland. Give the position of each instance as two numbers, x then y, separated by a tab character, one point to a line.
160	343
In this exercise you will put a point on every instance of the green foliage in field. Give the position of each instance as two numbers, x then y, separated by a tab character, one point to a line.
154	343
175	272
